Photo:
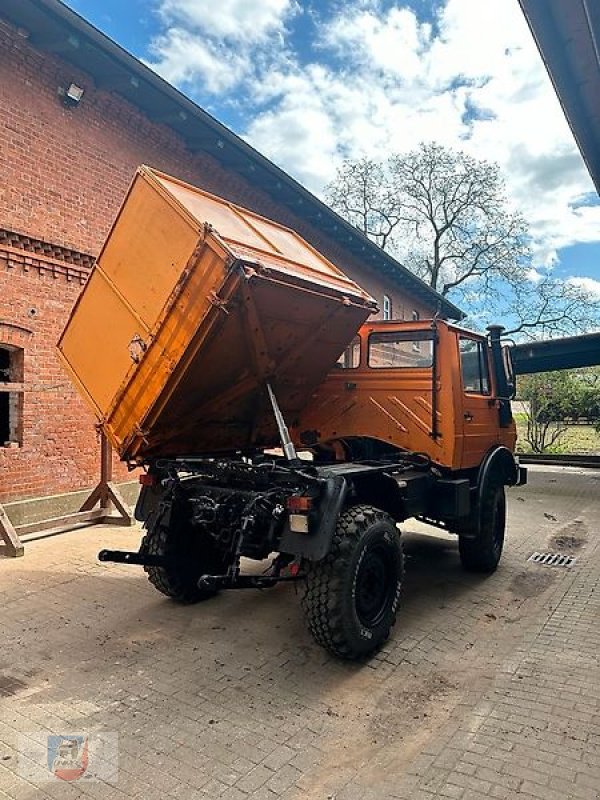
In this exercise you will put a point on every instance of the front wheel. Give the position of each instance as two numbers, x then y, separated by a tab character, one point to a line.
481	550
352	594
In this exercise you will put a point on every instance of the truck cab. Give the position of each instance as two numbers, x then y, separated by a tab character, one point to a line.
425	386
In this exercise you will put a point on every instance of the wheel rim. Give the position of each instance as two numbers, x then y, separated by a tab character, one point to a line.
374	586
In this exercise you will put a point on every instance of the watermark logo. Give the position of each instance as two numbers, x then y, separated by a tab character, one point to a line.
83	756
68	756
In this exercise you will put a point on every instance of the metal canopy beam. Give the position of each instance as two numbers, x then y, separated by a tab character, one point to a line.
567	33
572	352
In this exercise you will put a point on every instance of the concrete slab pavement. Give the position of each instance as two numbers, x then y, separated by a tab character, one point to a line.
489	687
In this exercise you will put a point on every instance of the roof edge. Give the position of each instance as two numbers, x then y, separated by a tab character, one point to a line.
411	282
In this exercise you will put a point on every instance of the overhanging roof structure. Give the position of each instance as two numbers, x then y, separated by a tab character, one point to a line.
52	26
571	352
567	33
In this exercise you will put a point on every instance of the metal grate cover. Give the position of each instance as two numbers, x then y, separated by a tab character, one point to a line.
553	559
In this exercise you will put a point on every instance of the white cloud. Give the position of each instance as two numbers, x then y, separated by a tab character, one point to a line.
477	83
301	130
375	80
211	47
534	275
183	57
589	285
391	42
247	20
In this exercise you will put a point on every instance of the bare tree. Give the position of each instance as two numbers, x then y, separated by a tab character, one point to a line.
448	209
550	398
551	307
362	195
457	209
543	432
446	216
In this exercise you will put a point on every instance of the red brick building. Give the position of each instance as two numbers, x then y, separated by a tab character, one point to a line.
65	167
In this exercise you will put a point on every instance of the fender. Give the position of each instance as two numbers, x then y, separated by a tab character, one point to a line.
500	460
317	543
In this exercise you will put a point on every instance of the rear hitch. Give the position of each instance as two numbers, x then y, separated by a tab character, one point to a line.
211	582
130	557
218	582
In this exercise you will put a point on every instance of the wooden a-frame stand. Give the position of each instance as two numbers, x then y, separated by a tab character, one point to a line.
96	509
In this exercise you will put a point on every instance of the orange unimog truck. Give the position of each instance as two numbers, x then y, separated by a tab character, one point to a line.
237	366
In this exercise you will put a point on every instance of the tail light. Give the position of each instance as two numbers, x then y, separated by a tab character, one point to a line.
297	504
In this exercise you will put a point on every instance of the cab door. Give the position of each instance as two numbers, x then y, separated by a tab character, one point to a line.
479	407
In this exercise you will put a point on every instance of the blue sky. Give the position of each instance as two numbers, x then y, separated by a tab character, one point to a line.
309	83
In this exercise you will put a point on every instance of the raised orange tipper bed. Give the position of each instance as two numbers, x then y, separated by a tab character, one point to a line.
194	304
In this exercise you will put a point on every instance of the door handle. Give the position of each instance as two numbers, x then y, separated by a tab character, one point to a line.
468	416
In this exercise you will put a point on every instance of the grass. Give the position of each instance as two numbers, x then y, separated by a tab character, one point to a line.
577	439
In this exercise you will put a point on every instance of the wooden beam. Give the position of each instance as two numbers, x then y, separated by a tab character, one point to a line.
56	43
14	546
118	82
106	493
95	510
12	387
63	522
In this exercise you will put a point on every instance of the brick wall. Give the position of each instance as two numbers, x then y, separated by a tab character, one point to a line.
64	174
60	450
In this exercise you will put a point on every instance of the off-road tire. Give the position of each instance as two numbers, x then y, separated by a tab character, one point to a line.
352	594
481	550
193	554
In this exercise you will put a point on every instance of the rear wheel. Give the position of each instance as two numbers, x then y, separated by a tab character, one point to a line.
480	548
352	594
191	553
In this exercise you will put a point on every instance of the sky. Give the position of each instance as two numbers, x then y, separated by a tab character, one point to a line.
311	83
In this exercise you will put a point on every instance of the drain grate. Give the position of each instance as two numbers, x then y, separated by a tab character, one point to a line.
553	559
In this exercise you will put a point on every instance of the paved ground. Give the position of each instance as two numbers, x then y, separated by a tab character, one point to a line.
489	688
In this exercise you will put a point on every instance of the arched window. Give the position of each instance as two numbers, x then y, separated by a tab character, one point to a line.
387	307
11	395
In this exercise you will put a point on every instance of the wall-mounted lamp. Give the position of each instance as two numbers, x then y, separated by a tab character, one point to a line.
71	96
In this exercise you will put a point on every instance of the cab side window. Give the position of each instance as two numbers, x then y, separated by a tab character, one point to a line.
474	366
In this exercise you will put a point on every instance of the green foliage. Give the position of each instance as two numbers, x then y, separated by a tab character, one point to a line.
556	399
580	439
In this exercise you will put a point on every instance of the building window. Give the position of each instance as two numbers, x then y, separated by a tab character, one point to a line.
387	307
11	396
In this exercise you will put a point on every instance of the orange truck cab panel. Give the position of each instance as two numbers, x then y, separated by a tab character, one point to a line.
424	386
